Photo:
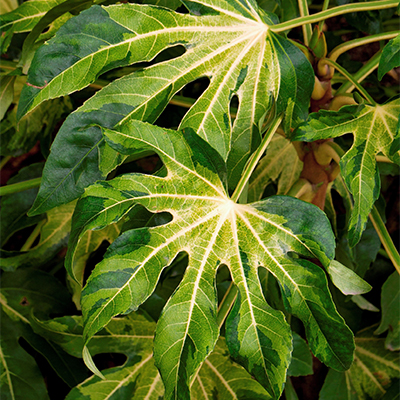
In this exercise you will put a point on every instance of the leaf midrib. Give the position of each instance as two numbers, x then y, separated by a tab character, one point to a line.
167	242
9	381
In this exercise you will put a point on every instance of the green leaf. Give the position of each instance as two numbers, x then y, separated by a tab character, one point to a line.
390	57
171	4
131	335
211	229
24	18
87	245
374	367
230	44
53	237
390	305
220	376
21	377
374	129
363	303
347	281
301	363
337	386
6	93
14	207
19	137
372	372
281	164
22	292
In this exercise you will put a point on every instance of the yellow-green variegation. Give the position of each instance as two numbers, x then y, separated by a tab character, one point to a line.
229	42
375	129
278	233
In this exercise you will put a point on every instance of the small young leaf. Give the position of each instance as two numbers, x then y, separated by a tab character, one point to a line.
390	305
374	128
347	281
390	57
363	303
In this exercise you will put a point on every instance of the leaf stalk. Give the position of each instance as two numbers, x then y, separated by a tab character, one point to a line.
32	237
362	73
307	31
385	238
20	186
346	46
350	78
333	12
253	161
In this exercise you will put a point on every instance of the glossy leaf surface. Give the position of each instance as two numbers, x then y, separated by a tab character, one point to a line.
212	230
230	44
374	128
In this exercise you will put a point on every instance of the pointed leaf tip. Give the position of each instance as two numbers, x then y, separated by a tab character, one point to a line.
87	358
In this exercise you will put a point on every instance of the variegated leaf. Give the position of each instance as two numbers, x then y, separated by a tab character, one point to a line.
212	229
230	42
374	129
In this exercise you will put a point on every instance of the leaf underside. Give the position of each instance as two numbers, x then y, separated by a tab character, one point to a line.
213	230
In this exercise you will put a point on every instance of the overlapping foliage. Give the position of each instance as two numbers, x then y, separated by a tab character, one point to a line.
217	281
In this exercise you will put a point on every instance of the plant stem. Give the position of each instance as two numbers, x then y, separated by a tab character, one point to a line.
4	161
307	31
324	7
32	237
253	161
346	46
226	304
20	186
350	78
385	238
362	73
334	12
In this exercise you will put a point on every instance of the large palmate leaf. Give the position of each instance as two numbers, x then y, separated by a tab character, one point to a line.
212	229
231	43
374	129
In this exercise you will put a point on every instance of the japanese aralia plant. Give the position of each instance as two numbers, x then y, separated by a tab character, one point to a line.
220	194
